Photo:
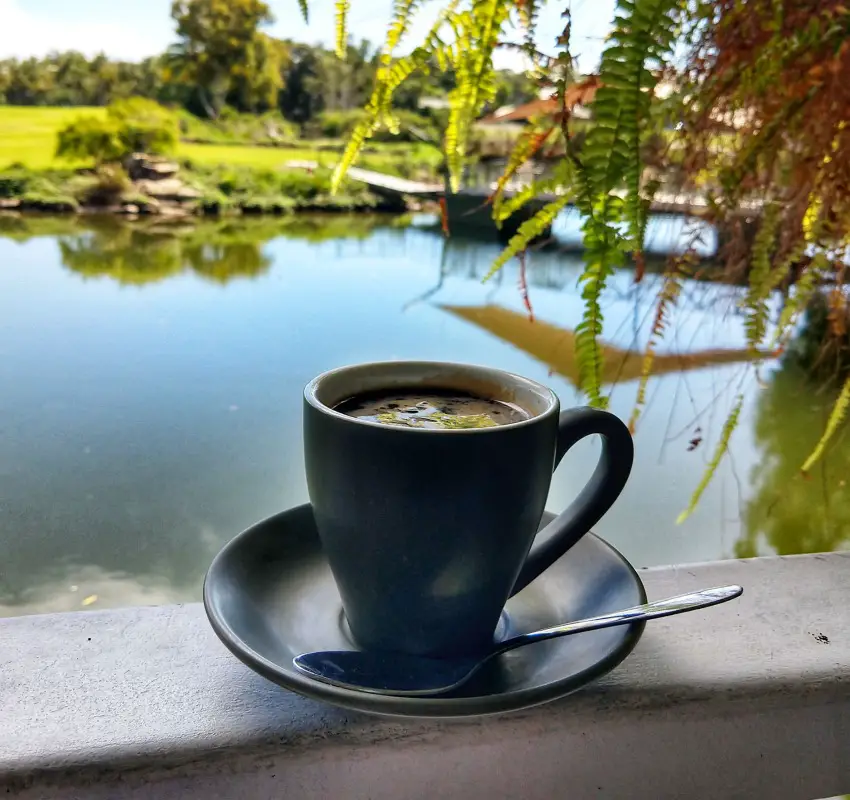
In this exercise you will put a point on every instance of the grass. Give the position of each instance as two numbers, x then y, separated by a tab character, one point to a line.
28	134
28	137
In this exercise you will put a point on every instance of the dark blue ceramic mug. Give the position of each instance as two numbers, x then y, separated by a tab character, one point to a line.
429	532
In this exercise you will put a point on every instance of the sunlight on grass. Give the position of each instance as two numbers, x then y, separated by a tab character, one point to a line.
28	134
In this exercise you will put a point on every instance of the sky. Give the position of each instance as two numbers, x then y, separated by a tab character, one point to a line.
134	29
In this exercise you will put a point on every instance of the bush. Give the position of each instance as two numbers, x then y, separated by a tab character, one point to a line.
107	188
130	126
234	128
14	181
48	201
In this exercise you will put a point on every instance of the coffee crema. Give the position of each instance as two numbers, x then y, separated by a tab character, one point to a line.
434	409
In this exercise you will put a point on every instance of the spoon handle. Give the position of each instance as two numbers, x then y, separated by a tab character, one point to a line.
658	608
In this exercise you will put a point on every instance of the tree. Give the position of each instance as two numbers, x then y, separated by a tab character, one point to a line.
219	45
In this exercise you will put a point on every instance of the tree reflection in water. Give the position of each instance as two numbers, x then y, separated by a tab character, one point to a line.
154	249
789	512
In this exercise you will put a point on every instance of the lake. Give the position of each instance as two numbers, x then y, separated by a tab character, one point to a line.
152	373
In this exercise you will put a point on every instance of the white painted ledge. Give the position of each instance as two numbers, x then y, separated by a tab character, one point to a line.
747	700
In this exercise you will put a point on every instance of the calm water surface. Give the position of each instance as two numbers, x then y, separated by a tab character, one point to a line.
151	393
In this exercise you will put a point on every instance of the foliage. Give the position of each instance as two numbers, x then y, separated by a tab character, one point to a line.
233	127
412	127
130	126
72	79
463	40
793	511
220	48
274	191
765	101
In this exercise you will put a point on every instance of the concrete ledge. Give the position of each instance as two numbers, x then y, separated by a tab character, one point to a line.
749	700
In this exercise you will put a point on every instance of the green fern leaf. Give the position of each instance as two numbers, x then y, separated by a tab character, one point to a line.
558	183
667	297
305	12
527	233
722	446
836	417
342	8
604	252
525	147
389	76
796	304
760	282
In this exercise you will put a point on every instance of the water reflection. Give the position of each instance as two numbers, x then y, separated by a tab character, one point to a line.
789	512
151	250
555	347
140	430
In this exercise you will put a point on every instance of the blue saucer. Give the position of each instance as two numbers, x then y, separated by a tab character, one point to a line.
269	595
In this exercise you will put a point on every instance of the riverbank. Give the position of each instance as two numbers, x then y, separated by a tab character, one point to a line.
157	186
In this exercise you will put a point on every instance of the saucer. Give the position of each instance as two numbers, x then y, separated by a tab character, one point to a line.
270	596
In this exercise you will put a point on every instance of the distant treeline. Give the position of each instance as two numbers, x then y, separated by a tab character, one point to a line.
311	80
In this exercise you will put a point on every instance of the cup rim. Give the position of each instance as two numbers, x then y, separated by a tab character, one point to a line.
551	400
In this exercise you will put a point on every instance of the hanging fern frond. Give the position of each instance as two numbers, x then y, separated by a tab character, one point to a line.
760	279
836	417
643	35
342	7
403	11
530	230
722	446
526	146
528	15
477	36
391	74
556	184
667	297
604	251
305	11
796	304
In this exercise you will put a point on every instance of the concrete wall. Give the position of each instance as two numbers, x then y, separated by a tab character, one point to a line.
747	700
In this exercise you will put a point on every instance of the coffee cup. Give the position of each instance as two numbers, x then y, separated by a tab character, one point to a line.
428	515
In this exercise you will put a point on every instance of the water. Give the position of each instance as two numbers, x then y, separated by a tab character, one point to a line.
151	383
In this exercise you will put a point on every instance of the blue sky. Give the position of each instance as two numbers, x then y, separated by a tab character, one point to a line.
133	29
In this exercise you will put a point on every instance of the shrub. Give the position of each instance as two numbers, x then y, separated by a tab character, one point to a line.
108	186
130	126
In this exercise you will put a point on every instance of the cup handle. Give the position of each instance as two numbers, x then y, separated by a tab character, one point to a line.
596	498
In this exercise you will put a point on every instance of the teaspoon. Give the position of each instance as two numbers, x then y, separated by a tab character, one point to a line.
403	675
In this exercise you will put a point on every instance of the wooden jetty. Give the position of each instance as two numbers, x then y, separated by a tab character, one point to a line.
470	207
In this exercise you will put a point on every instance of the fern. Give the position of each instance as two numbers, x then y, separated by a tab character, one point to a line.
643	35
668	296
796	304
760	283
402	12
561	177
342	8
305	11
722	446
527	233
836	417
477	35
390	75
525	147
644	31
603	252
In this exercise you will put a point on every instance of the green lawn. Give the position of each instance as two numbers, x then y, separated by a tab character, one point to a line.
28	136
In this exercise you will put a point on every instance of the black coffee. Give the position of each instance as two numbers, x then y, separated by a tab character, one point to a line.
434	409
